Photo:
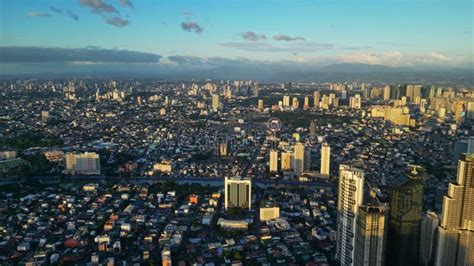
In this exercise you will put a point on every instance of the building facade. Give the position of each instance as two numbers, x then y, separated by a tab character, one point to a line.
351	193
456	230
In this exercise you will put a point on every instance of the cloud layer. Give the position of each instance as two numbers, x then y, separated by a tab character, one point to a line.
252	36
98	6
192	26
90	54
286	38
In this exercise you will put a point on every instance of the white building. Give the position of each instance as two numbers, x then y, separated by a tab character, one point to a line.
351	192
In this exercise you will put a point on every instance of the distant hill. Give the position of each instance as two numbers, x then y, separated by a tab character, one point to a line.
358	68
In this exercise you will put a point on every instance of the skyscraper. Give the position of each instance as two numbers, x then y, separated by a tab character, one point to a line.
299	157
306	103
456	231
286	101
351	192
405	217
238	193
316	99
428	237
386	92
312	129
273	161
286	161
325	159
260	105
371	234
355	102
295	103
216	102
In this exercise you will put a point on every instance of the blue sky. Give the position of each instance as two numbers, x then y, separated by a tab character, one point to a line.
397	33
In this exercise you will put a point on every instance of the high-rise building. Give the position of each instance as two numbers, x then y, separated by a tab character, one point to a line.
286	101
166	257
295	103
410	91
351	192
325	159
405	217
371	234
312	129
224	148
299	157
238	193
286	161
87	163
325	102
316	99
355	102
306	103
260	105
429	225
456	230
256	89
216	102
273	161
386	92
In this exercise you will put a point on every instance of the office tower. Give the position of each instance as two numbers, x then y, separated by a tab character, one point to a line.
371	234
405	217
423	104
295	103
386	93
366	93
428	237
456	231
470	110
409	92
351	192
416	91
286	101
238	193
260	105
299	157
256	89
355	102
273	161
286	161
216	102
307	161
316	99
343	94
325	102
325	159
312	129
82	164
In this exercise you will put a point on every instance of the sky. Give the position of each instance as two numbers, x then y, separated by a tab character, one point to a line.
40	35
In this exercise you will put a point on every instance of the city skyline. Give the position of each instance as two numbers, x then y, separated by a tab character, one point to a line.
175	36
